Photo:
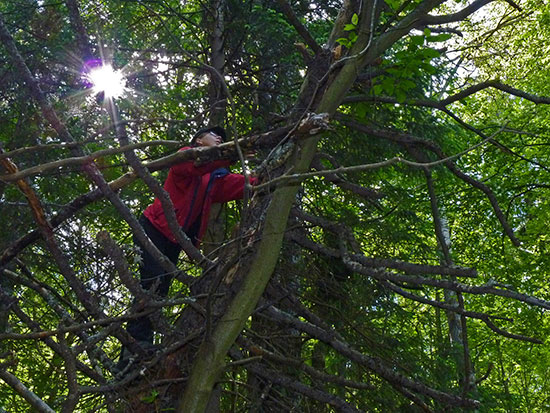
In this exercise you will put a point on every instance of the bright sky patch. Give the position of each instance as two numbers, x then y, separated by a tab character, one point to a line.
106	79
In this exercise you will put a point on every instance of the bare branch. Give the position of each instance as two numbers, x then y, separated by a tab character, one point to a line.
48	339
77	160
292	179
299	387
486	318
377	366
407	267
497	85
458	16
24	392
443	159
168	207
44	227
440	104
300	364
366	193
354	262
70	371
111	248
78	27
300	28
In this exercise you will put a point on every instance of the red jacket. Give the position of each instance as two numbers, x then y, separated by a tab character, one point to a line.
192	190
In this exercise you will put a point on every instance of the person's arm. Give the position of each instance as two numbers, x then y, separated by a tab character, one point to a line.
188	168
230	187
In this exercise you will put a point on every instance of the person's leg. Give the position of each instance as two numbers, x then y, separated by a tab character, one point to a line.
152	276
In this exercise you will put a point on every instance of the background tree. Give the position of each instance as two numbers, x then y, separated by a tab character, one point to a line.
392	257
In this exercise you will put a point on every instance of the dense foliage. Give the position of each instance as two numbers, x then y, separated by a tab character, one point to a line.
393	259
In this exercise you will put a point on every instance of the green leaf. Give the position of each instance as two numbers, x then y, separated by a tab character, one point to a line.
355	19
151	397
349	27
388	85
361	110
417	40
428	68
400	95
430	53
394	70
407	84
439	38
394	4
344	42
402	54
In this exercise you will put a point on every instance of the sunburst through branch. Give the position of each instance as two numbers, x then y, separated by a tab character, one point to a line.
107	80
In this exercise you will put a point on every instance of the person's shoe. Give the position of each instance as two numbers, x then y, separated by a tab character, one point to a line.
127	360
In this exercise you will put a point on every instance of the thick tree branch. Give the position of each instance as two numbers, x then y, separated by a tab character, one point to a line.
458	16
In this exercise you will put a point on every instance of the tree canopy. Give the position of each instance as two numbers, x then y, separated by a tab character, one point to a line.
391	258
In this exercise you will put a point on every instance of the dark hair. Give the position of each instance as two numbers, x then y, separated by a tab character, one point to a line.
218	130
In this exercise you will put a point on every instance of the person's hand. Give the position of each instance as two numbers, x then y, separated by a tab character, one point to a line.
250	154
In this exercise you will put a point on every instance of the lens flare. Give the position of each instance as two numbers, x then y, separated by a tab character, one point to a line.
107	80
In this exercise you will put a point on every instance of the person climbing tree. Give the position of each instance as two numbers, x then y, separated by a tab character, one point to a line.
192	189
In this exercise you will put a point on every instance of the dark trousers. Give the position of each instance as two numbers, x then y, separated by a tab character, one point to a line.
152	274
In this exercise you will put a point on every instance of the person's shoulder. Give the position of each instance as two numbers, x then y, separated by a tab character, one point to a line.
185	148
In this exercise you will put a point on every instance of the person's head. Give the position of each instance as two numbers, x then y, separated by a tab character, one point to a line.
209	136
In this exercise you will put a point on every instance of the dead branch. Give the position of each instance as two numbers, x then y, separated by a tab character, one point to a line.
404	138
45	229
75	161
25	392
366	193
486	318
183	240
297	386
377	366
300	28
48	339
70	371
301	365
407	267
354	263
